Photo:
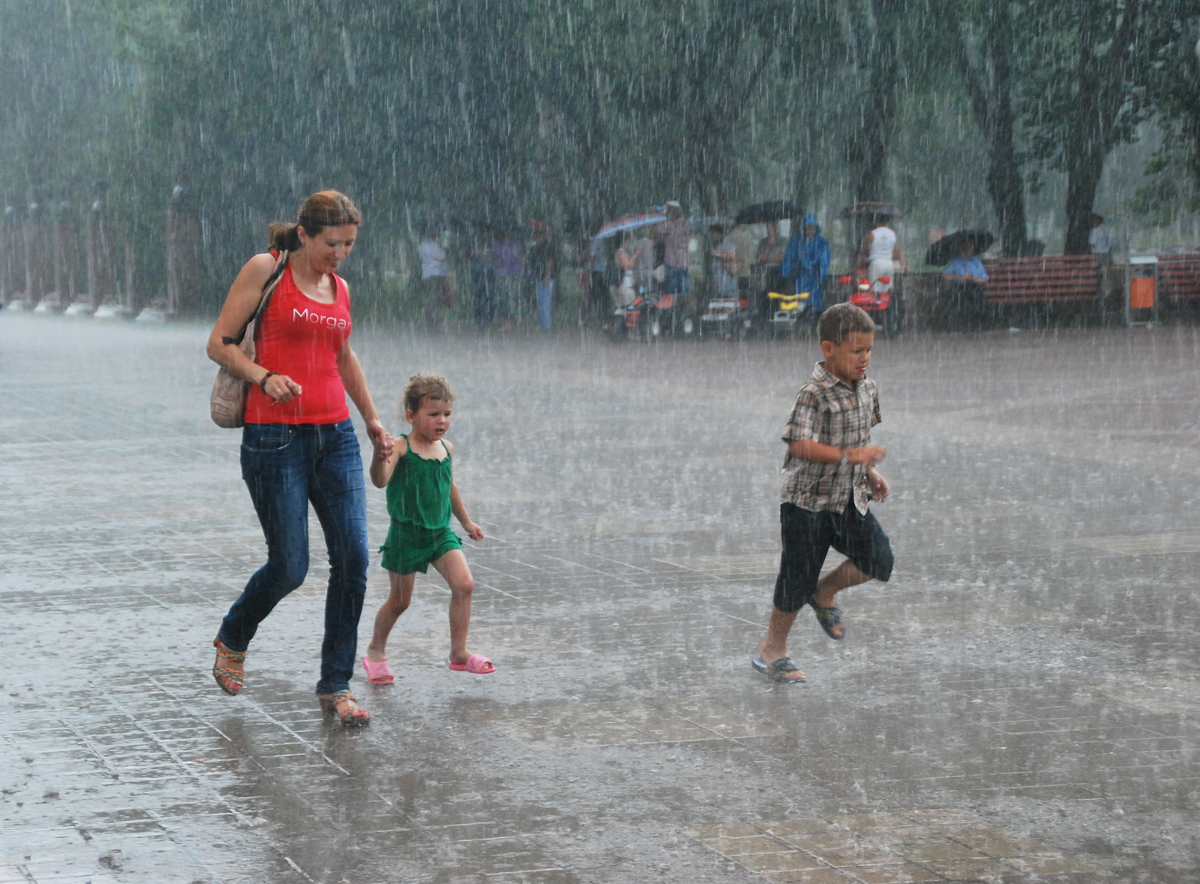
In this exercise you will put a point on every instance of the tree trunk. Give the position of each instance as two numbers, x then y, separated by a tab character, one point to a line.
868	149
990	93
1100	99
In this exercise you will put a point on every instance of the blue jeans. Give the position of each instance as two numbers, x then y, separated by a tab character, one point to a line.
545	295
285	468
676	282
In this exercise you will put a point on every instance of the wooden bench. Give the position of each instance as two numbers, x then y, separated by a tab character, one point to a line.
1179	277
1046	280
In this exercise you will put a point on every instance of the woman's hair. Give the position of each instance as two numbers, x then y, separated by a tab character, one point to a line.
326	208
426	385
841	320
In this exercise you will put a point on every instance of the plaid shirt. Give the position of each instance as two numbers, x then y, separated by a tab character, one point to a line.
829	411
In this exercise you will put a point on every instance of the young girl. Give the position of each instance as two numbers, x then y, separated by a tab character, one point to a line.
421	495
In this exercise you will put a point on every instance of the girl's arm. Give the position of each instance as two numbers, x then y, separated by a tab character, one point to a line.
356	387
457	507
384	464
460	513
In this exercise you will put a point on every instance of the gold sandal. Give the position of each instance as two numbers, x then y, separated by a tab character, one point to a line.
228	680
354	716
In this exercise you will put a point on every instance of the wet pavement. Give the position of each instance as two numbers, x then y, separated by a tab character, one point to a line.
1021	703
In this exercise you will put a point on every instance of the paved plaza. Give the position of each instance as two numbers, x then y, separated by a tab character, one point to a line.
1020	704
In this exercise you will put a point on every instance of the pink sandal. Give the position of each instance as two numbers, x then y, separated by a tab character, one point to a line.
476	663
378	673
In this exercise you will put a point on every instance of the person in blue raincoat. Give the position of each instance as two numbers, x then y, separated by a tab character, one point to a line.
807	258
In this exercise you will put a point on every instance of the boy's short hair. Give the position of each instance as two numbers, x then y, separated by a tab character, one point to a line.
426	385
841	320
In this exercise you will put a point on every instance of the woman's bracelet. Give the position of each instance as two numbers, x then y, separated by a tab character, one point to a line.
262	385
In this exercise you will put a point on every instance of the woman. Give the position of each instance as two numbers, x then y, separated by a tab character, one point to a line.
298	444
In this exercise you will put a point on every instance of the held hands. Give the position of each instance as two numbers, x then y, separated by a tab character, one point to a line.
473	530
381	439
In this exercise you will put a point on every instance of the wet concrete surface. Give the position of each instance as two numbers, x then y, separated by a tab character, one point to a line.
1021	703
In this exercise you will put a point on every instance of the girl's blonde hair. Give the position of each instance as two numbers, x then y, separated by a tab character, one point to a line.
426	385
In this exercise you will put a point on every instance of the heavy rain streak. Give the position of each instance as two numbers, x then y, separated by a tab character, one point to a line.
599	442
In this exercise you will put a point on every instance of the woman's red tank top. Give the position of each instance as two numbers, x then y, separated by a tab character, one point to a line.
301	338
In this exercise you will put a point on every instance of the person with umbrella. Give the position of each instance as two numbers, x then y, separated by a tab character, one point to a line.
963	281
807	258
966	267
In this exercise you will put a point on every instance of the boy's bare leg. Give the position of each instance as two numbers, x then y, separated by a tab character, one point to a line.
842	577
453	566
774	646
396	604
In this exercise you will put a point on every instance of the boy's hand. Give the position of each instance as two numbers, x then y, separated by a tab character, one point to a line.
868	454
473	531
879	485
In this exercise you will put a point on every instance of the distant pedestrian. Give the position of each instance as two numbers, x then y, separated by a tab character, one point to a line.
483	280
421	497
542	266
643	264
1100	240
676	235
298	444
626	261
435	280
829	479
509	265
597	302
807	258
723	251
880	253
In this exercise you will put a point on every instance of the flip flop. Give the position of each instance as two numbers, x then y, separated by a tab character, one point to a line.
476	663
829	618
378	673
777	670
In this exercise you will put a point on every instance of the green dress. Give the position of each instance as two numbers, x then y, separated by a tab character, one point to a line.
418	500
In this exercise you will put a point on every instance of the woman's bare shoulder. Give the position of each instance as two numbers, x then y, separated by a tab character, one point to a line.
257	269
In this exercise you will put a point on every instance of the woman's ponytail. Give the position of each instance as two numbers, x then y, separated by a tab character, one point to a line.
326	208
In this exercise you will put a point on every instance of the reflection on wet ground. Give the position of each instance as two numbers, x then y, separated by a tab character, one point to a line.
1020	704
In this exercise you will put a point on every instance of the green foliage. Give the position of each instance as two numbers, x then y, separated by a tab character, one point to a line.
566	110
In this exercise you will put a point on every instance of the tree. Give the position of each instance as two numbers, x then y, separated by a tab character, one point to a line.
1088	68
984	55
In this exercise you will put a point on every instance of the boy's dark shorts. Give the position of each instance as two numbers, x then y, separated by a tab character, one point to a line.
807	537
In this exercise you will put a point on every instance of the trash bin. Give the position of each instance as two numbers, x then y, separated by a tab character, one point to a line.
1141	293
1141	305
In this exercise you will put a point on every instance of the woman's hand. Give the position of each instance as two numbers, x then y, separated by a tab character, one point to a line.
473	530
281	388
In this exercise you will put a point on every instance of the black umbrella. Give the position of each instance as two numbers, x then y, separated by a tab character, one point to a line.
771	210
948	247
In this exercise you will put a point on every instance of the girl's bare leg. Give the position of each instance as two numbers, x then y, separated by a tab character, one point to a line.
453	566
396	604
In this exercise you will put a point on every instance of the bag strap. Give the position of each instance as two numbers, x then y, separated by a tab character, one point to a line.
268	289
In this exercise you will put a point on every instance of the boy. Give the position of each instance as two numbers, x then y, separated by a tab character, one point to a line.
829	478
